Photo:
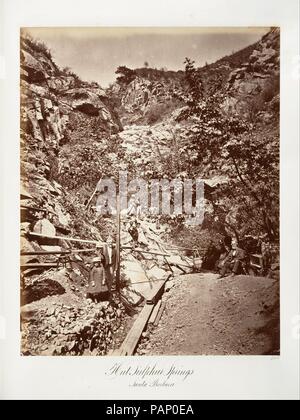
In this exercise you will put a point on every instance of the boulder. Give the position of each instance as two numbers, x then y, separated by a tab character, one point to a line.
61	83
135	273
41	289
156	273
132	297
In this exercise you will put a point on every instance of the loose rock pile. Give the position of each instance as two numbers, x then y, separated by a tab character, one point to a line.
87	329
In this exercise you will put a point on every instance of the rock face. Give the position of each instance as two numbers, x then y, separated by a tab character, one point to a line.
49	95
55	105
42	289
142	93
57	110
150	95
259	75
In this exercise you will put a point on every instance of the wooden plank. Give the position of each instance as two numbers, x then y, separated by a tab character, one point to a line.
182	269
154	313
44	252
150	282
78	251
156	292
26	207
65	238
132	339
143	251
72	251
159	314
38	265
177	248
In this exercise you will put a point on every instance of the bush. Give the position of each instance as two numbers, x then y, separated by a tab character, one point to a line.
37	46
126	75
202	239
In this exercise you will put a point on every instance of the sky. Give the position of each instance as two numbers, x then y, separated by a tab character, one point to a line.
95	53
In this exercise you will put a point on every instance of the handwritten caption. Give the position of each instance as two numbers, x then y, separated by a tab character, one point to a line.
150	375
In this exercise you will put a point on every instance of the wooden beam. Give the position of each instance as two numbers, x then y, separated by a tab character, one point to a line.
86	241
44	252
26	207
72	251
159	314
143	251
37	265
154	313
156	292
131	341
181	247
182	269
143	282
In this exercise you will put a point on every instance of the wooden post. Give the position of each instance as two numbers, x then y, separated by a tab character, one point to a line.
118	245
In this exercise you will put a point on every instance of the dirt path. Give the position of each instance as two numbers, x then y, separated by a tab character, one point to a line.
209	316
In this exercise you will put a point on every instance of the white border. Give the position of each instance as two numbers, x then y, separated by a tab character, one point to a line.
216	377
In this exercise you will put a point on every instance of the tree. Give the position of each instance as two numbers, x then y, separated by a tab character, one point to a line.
126	75
194	82
246	155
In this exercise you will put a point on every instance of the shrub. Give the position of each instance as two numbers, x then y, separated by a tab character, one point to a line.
37	46
126	75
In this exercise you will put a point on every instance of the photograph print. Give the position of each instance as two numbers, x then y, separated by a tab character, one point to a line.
149	191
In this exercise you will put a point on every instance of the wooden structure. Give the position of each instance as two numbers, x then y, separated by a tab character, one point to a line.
132	339
71	251
65	238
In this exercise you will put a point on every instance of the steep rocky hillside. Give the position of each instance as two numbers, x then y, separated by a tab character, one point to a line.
69	140
147	96
60	113
255	83
153	106
71	133
50	94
